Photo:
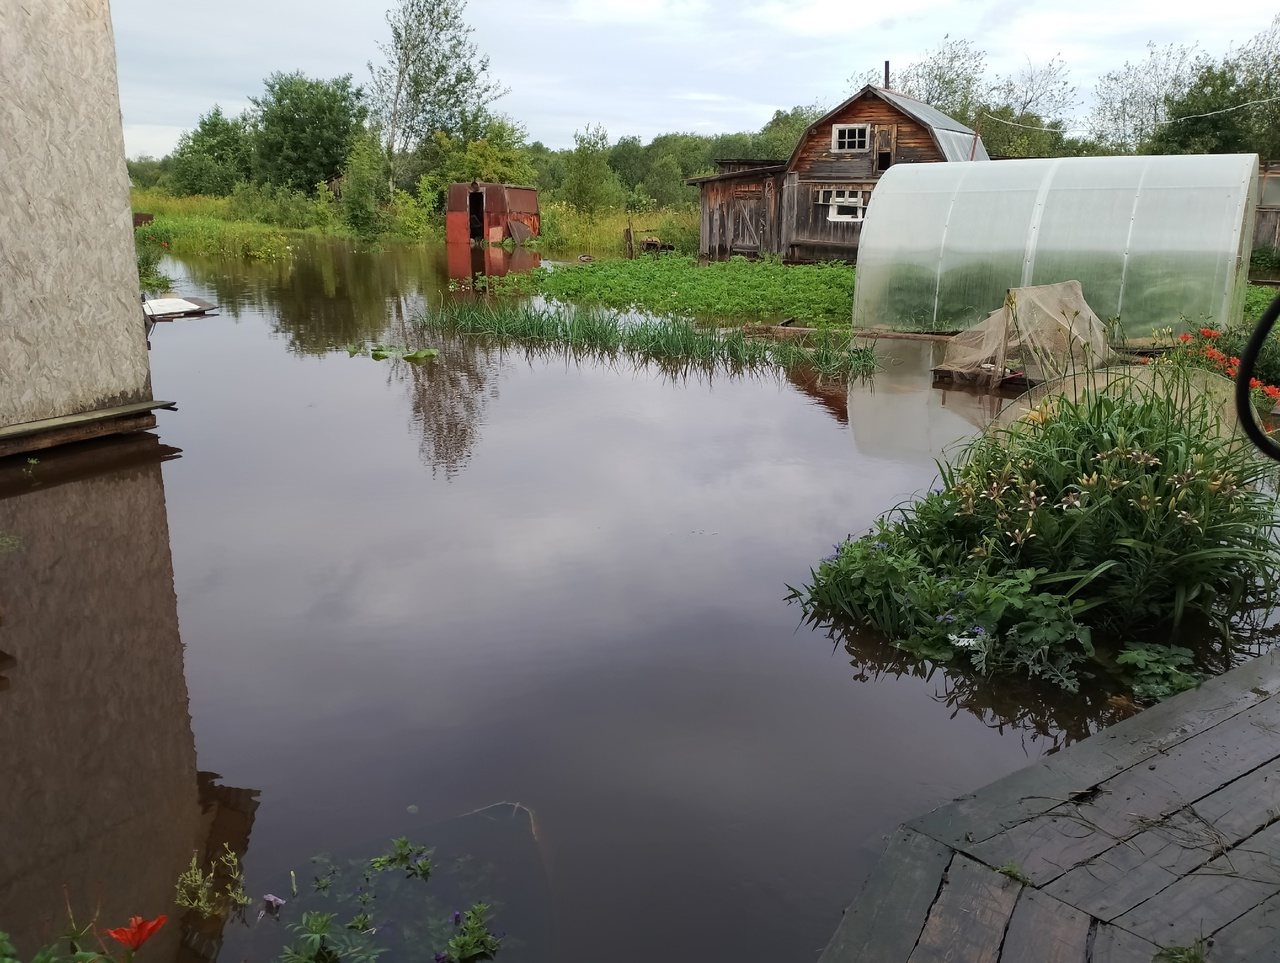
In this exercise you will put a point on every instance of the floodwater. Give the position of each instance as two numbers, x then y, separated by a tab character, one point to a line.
519	608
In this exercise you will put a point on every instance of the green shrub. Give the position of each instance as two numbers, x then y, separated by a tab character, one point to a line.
409	218
1057	541
1265	258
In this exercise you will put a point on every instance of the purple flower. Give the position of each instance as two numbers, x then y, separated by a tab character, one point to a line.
948	618
882	545
442	958
457	918
977	630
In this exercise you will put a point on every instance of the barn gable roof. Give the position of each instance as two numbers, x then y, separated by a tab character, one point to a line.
954	139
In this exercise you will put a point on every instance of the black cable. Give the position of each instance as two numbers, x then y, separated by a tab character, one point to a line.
1244	400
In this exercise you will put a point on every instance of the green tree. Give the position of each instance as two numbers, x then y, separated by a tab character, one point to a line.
665	183
1215	89
303	128
432	78
212	158
364	188
147	171
1131	102
590	185
629	161
548	166
498	155
779	136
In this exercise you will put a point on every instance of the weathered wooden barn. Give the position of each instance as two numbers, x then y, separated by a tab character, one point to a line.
810	207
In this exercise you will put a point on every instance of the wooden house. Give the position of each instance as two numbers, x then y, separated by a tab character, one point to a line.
810	207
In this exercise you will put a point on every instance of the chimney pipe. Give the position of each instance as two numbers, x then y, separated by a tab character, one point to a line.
886	75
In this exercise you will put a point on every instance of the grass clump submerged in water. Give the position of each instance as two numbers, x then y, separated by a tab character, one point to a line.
607	335
1074	542
735	290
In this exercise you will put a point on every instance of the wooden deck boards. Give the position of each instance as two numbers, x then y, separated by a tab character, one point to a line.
1158	832
36	435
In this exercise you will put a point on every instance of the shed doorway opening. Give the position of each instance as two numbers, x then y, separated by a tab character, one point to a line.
475	207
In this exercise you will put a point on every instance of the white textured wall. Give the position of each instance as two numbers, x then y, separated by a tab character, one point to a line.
71	332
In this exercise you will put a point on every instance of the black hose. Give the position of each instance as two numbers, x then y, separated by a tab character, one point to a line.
1244	400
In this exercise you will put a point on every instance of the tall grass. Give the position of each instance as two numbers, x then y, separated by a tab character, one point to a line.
1076	541
162	203
213	237
569	231
736	290
603	335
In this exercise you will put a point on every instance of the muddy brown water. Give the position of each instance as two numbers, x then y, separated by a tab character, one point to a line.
525	609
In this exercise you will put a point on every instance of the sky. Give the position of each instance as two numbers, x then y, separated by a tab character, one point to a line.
641	67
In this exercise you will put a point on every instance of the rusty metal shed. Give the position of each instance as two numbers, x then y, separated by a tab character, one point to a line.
482	211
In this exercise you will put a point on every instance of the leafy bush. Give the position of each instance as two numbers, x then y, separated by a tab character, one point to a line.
566	229
1265	257
1052	542
409	218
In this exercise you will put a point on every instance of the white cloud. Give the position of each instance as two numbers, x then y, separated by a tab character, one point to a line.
640	66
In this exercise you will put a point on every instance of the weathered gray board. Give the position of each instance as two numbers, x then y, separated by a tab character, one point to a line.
1157	832
72	337
122	419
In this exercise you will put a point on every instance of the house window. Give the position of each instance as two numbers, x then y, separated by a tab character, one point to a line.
841	204
849	137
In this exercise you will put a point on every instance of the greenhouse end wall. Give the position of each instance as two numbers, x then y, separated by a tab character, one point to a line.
1151	240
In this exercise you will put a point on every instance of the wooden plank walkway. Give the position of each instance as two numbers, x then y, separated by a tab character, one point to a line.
1162	831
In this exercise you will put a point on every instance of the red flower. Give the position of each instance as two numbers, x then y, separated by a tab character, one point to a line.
1272	392
1185	336
137	932
1255	383
1145	359
1235	362
1210	333
1231	372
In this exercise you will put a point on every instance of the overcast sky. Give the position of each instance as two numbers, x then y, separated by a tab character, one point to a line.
637	66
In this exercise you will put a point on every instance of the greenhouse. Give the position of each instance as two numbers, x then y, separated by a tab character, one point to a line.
1151	240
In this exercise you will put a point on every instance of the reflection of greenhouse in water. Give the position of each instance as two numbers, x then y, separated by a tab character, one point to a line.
891	417
1150	239
95	733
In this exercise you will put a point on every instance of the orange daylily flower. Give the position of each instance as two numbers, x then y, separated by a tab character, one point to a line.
137	932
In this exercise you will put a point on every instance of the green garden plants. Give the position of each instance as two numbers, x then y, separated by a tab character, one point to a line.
735	291
377	904
1080	541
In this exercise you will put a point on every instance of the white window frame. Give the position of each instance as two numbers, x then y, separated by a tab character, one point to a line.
834	198
863	129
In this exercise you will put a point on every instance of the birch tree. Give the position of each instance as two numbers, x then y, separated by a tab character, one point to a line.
432	78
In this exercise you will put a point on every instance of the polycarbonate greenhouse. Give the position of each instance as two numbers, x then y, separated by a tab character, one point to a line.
1151	240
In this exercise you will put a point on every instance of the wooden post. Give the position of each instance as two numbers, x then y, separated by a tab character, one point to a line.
629	240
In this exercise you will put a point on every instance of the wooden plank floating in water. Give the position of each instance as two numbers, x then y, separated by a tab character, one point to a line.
36	435
1160	831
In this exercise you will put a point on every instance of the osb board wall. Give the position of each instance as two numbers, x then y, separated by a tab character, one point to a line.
98	783
71	331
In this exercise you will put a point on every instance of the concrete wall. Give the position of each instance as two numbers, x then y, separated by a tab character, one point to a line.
71	331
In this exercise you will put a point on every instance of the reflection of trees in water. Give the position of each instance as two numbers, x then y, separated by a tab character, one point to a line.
330	293
449	395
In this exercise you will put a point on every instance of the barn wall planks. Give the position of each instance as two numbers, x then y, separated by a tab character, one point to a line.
763	208
72	337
